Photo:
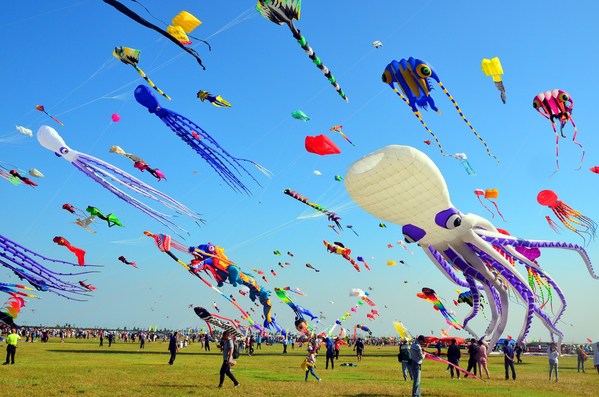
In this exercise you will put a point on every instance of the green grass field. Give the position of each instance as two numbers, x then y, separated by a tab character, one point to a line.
81	368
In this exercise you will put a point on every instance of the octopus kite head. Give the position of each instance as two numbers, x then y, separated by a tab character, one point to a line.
402	185
49	138
554	105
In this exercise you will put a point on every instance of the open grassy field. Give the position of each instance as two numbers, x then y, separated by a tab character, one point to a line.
81	368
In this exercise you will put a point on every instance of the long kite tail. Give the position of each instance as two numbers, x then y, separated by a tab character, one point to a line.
457	107
312	55
151	83
577	143
419	117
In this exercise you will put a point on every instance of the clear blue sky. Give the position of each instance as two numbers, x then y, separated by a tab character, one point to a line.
59	54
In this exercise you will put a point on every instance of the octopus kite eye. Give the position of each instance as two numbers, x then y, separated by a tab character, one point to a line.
564	97
423	71
536	104
63	150
386	77
449	218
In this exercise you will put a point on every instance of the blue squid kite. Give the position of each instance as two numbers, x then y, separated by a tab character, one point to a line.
412	77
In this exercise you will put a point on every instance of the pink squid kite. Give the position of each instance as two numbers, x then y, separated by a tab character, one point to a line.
557	105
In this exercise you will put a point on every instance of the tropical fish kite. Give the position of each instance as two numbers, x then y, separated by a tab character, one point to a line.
492	67
199	140
337	128
217	100
412	77
130	56
299	115
42	109
285	12
557	105
331	216
108	176
126	11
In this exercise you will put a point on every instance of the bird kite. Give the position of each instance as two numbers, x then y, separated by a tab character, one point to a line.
412	76
557	105
492	67
217	100
285	12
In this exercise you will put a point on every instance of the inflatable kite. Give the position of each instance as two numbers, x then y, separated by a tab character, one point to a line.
138	162
217	100
569	217
126	11
199	140
285	12
226	324
79	253
492	67
36	173
106	175
331	216
321	144
300	322
557	105
339	249
299	115
413	77
383	183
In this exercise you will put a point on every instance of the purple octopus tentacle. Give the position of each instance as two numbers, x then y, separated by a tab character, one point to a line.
135	184
550	325
213	157
445	266
194	127
505	240
475	300
131	200
519	286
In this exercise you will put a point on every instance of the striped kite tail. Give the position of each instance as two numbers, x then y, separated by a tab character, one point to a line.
151	83
457	107
576	142
312	55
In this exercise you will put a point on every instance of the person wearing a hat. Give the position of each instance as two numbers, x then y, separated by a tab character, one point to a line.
310	363
228	347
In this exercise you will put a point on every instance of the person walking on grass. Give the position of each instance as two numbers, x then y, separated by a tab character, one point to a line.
553	354
482	359
453	356
519	353
11	346
359	348
417	355
310	363
404	358
173	347
228	348
473	357
508	360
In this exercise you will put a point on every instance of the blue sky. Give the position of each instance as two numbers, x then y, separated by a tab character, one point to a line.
63	60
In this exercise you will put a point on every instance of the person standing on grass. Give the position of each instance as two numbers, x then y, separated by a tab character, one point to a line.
553	354
417	355
11	346
228	347
330	354
582	356
285	345
438	346
338	343
482	359
101	338
142	340
518	353
453	356
251	345
596	356
110	339
173	347
404	358
310	363
359	348
207	342
473	357
508	360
